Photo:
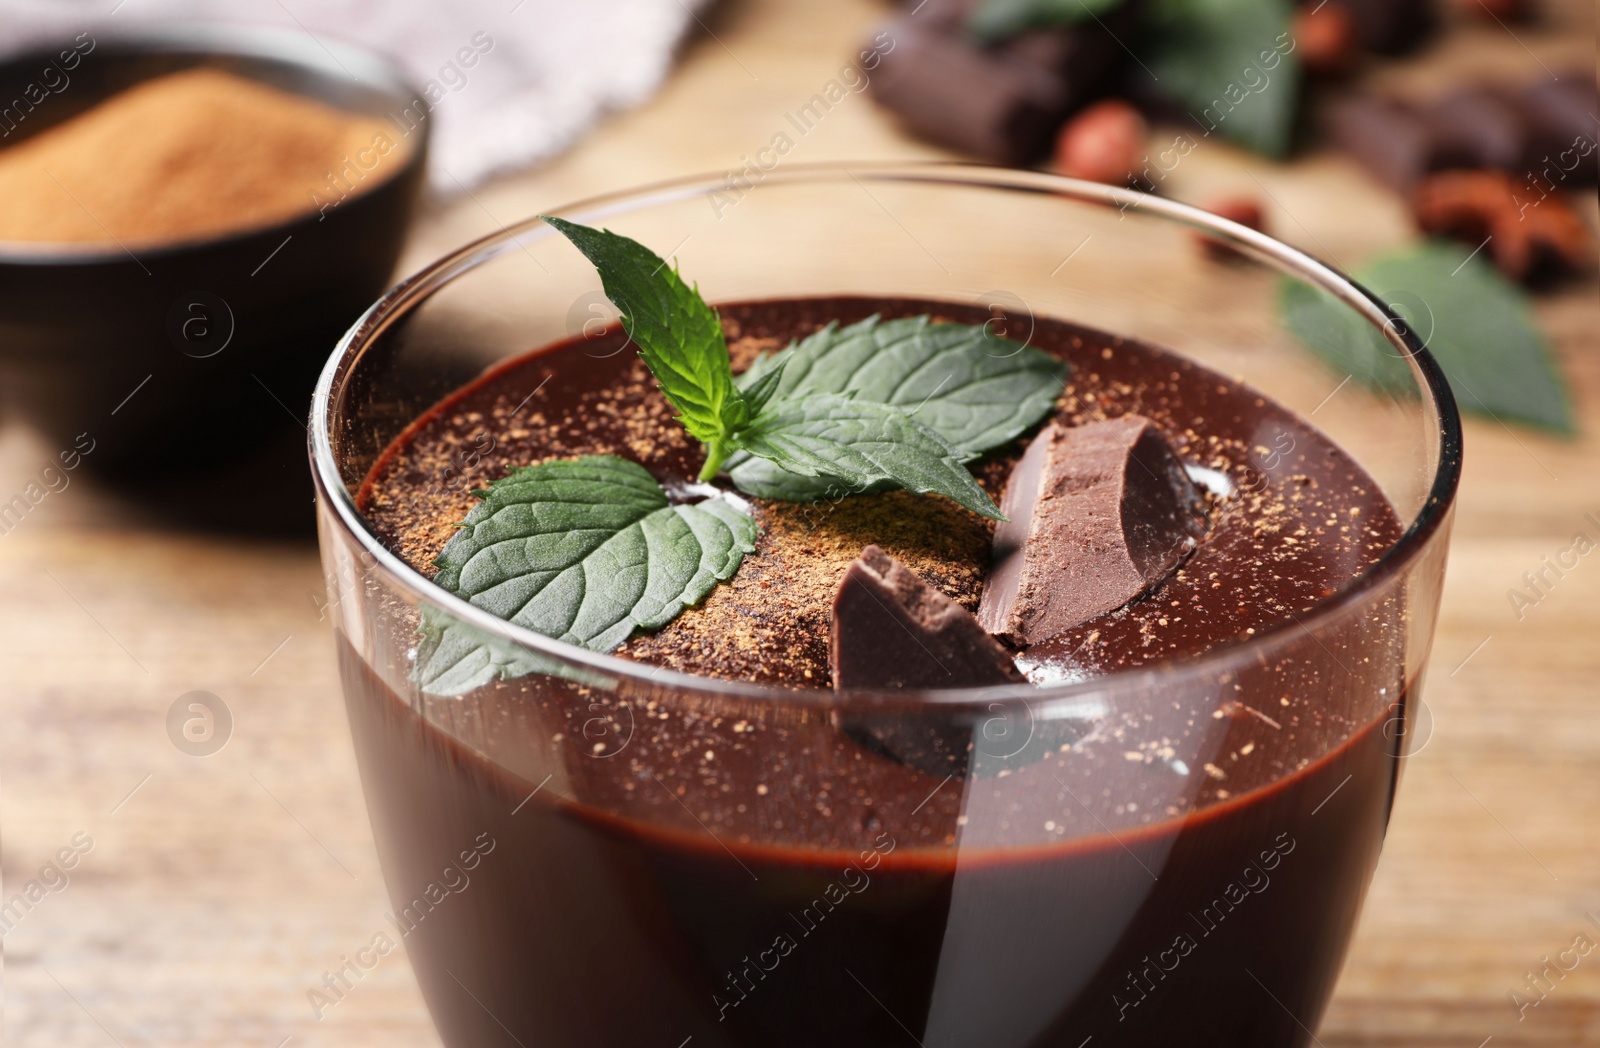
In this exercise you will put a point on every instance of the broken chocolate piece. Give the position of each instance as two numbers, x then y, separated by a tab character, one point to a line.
1562	131
946	89
1386	136
1001	102
1391	27
1081	54
1476	128
1099	514
892	631
1546	132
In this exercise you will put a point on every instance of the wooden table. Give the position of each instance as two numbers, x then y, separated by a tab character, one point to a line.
211	894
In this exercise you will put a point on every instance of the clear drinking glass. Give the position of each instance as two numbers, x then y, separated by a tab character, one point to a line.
598	855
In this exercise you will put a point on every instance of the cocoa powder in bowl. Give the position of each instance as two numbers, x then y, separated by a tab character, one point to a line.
187	156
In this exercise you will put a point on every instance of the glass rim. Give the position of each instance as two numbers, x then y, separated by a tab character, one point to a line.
417	287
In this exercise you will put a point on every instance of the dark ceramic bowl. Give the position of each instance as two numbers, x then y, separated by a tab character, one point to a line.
188	359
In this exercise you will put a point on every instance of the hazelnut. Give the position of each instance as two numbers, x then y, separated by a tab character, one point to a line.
1529	236
1241	209
1326	37
1103	143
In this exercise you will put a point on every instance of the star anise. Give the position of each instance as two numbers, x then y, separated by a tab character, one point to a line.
1530	236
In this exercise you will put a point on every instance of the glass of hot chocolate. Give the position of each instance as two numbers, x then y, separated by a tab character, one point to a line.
877	769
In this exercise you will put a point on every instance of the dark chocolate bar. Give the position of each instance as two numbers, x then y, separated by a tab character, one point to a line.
1477	127
945	89
1001	103
1386	136
1390	27
1563	128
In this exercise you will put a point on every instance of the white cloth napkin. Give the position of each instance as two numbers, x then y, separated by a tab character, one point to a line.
542	71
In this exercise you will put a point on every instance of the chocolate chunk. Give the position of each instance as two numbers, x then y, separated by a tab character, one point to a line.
1000	103
893	631
948	90
1391	27
1476	128
1562	131
1080	55
1099	514
1386	136
1473	129
998	730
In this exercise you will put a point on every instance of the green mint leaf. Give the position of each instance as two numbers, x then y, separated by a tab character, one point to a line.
768	480
971	387
1477	323
1232	64
679	337
759	388
589	551
859	443
995	20
455	658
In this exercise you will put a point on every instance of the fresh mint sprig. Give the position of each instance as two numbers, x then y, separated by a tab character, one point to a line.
679	337
591	550
906	401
